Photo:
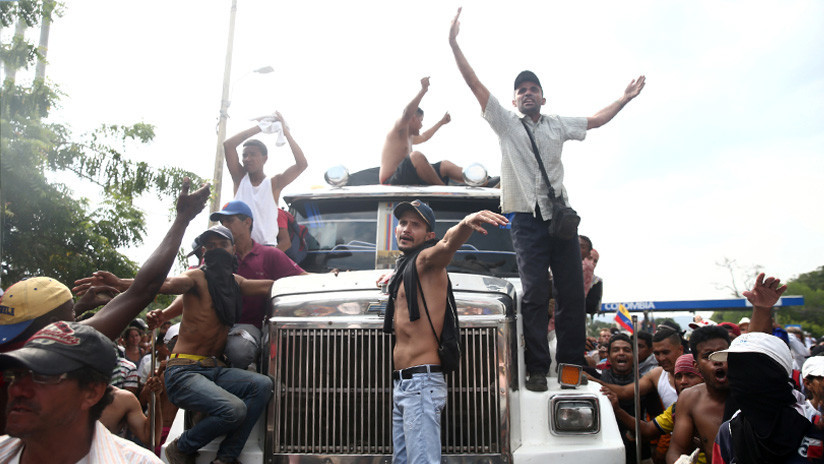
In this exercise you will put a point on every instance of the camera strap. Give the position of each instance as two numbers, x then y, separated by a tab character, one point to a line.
552	195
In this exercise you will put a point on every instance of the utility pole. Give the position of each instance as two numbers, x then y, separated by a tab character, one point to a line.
224	115
45	25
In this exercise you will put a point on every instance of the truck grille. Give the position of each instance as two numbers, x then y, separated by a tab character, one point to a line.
333	393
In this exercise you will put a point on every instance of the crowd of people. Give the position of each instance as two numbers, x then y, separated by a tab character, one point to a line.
738	394
83	382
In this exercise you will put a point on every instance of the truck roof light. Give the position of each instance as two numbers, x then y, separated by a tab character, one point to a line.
475	175
336	176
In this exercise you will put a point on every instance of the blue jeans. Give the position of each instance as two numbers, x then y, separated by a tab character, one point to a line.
416	418
232	400
536	252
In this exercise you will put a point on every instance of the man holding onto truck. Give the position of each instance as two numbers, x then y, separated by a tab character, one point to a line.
525	194
419	394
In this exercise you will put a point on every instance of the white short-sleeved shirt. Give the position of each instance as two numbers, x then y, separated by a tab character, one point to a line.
520	174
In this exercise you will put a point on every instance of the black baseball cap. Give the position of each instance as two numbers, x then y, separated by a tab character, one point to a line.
64	347
423	210
527	76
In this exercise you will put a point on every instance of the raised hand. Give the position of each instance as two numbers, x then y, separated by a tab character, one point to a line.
634	87
94	296
766	292
425	83
446	118
189	205
99	278
476	220
456	27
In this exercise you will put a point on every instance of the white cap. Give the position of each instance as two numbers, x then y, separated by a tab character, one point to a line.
744	320
813	366
171	333
759	342
703	323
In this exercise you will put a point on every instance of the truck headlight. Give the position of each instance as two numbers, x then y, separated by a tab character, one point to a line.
573	415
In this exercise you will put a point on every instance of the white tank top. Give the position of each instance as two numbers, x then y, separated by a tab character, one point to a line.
264	209
666	391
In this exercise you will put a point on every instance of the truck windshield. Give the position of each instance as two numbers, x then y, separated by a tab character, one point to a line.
342	234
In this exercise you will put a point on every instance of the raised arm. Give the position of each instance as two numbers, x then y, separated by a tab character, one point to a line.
412	107
116	315
480	91
292	172
441	254
230	151
605	115
416	139
763	296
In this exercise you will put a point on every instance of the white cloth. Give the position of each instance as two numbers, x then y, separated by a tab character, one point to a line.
264	209
270	125
522	185
106	448
666	391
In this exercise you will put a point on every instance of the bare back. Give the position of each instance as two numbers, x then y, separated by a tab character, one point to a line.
398	145
415	343
201	332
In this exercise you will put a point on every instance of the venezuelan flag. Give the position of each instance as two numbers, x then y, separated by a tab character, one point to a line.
623	318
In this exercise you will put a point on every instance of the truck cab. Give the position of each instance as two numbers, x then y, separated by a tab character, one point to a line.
332	364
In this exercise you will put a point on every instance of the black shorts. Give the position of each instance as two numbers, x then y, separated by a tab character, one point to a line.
406	174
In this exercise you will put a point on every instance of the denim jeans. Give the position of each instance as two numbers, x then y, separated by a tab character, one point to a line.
416	418
232	400
537	252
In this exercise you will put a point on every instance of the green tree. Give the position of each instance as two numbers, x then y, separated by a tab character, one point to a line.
45	229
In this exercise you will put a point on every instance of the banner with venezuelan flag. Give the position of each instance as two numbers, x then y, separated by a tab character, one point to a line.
623	318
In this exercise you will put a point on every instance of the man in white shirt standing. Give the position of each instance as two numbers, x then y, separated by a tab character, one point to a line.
525	194
251	185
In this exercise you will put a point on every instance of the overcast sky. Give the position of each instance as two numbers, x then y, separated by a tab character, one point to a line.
720	156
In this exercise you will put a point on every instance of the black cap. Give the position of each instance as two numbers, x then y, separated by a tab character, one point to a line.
64	347
423	210
527	76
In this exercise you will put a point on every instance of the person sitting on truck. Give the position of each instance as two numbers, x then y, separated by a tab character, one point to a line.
402	166
701	409
525	195
252	185
620	373
255	261
420	275
196	378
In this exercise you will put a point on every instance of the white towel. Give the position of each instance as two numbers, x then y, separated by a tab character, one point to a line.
270	125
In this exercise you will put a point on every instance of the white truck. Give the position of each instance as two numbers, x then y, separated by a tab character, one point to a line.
332	364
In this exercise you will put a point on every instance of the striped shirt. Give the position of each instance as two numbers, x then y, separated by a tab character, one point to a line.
106	448
520	174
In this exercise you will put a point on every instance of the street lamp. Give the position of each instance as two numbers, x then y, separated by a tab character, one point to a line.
224	108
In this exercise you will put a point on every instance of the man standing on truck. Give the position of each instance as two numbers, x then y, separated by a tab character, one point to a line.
402	166
419	393
524	193
252	185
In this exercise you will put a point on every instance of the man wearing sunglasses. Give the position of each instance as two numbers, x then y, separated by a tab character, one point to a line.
58	385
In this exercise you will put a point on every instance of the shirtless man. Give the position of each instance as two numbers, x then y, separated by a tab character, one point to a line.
666	346
701	408
125	412
402	166
196	380
252	186
418	378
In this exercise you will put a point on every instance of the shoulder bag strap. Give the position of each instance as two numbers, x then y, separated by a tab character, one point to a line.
427	314
540	162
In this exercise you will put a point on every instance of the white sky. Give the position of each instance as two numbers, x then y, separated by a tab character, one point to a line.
720	156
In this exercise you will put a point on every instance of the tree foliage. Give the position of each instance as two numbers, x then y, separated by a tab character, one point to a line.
46	230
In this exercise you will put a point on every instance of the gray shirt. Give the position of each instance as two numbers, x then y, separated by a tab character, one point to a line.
522	185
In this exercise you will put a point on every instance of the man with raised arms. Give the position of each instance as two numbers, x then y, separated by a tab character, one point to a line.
525	194
252	185
402	166
420	279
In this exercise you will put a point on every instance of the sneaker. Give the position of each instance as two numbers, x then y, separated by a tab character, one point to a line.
175	456
536	383
493	182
